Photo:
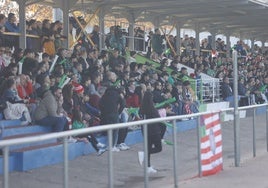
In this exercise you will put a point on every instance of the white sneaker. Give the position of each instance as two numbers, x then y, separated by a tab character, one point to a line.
101	145
123	147
151	170
141	157
24	123
71	140
101	151
115	149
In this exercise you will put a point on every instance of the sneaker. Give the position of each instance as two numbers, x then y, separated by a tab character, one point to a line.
151	170
24	123
101	151
101	145
166	142
123	147
71	140
115	149
141	157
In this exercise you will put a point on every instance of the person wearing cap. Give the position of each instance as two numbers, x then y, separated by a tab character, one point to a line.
46	112
78	95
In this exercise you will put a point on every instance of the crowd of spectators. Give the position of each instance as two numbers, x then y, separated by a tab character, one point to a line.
50	87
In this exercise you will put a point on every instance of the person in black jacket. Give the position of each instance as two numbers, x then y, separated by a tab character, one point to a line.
227	91
148	110
111	105
157	92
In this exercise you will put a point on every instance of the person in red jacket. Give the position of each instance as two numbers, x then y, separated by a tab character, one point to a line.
25	87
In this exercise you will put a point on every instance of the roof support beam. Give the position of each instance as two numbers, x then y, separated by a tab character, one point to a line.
228	44
22	26
102	13
178	38
197	39
65	10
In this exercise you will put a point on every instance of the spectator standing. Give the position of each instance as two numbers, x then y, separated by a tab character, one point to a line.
11	26
118	40
157	44
2	20
154	130
111	105
227	91
95	36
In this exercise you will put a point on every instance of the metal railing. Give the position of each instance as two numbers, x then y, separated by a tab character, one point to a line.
5	144
33	41
208	90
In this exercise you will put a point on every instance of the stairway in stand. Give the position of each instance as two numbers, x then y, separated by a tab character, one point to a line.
23	157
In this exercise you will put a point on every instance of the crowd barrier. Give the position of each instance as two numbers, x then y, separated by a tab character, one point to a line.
33	42
5	144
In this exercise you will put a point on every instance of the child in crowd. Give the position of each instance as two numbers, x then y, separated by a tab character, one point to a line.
79	123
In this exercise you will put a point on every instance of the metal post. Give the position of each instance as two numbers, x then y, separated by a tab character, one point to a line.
267	127
102	28
175	155
66	165
213	90
22	25
228	44
144	46
178	39
254	132
6	166
236	113
65	9
197	39
213	42
145	146
131	42
110	158
199	146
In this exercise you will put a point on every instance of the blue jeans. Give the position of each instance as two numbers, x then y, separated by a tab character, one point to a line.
230	99
58	123
111	119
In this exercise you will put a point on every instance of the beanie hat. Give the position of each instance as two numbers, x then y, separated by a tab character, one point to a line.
78	88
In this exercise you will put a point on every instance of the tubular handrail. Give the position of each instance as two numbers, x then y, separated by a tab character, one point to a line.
18	34
6	143
111	126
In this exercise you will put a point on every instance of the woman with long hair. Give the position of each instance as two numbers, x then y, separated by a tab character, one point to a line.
79	123
148	110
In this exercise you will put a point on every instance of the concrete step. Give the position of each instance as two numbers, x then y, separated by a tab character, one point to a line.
44	154
48	154
14	147
17	130
7	123
12	163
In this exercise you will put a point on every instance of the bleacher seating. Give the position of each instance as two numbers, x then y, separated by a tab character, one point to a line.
29	156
